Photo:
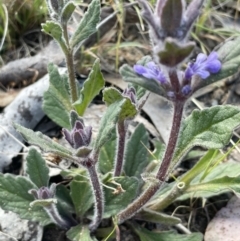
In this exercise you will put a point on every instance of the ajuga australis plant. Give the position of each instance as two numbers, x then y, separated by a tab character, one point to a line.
114	177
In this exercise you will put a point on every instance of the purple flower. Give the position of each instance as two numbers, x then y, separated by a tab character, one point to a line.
79	136
186	89
203	66
150	71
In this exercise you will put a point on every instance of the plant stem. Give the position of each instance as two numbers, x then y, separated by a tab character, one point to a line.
161	175
176	124
120	148
54	215
70	66
98	196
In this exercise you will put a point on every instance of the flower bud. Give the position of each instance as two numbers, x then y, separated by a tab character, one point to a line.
130	92
79	136
44	192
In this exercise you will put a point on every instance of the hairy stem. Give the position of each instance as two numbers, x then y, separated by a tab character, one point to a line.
70	66
98	196
120	148
161	175
55	216
176	124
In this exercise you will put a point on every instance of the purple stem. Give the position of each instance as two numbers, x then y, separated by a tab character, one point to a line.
98	196
55	216
120	148
161	175
176	124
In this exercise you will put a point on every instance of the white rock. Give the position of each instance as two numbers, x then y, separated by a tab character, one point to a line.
226	224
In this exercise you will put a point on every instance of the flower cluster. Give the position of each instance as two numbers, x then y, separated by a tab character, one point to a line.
79	136
202	67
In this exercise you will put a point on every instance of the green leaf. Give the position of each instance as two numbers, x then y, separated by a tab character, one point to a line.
81	193
80	233
209	159
229	55
108	123
214	187
136	157
44	142
14	197
75	117
92	86
159	148
55	30
64	202
56	100
146	235
210	128
157	217
111	95
67	12
174	52
88	24
115	202
223	178
107	155
37	168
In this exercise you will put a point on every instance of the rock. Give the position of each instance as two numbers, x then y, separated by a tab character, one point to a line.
226	223
13	228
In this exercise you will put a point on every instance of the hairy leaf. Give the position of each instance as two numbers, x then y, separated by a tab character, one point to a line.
115	202
37	168
56	100
55	30
107	155
146	235
80	233
67	12
81	193
108	123
157	217
92	86
210	128
214	187
44	142
223	178
88	24
14	197
111	95
136	157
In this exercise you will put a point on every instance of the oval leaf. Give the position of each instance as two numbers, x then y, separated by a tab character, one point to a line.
88	24
14	197
37	168
209	128
136	157
92	86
